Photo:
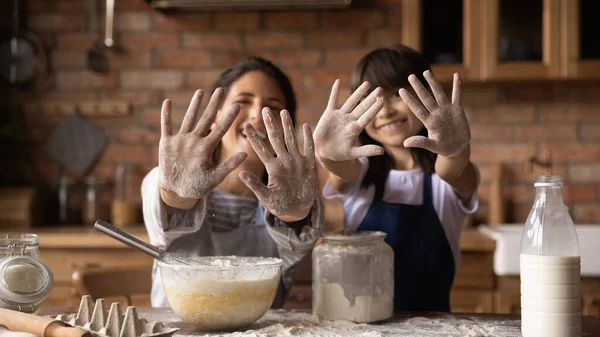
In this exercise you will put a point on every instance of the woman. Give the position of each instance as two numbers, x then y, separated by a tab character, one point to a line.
205	197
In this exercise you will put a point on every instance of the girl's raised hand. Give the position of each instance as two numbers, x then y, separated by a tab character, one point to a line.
447	125
336	134
292	188
185	158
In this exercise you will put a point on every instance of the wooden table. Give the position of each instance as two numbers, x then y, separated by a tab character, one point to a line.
301	323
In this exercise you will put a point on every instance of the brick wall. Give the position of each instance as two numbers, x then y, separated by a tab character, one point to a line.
171	56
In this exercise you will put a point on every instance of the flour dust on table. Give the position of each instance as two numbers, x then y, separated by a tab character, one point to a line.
303	324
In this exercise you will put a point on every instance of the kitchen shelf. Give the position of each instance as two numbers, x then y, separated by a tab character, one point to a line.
105	108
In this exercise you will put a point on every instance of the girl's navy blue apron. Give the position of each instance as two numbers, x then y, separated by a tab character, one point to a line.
423	261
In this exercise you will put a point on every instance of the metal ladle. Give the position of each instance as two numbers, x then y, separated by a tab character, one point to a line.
146	248
97	60
110	13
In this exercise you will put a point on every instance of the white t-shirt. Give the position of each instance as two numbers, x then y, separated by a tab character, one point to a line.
405	187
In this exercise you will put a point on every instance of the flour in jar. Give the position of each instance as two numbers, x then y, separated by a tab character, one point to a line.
353	278
23	278
333	304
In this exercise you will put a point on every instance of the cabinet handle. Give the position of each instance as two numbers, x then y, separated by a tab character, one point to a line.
300	297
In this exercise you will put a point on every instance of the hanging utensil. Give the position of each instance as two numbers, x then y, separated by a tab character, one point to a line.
76	144
97	60
22	57
110	12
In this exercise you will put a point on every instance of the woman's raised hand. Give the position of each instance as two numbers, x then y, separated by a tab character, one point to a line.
185	158
292	187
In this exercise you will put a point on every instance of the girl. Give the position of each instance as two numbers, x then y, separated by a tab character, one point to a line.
402	166
205	197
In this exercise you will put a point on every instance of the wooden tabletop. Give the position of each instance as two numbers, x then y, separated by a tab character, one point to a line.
61	237
301	323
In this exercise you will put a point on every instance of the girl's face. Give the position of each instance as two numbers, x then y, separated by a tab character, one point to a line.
394	123
252	91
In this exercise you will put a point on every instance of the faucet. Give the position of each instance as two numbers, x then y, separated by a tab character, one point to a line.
545	162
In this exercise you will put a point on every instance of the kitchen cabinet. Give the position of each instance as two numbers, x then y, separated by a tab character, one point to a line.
67	248
64	261
447	32
495	40
477	301
521	39
590	296
473	288
507	299
580	32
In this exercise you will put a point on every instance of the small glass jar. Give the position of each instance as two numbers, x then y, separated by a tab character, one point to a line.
70	194
96	206
124	209
25	280
353	277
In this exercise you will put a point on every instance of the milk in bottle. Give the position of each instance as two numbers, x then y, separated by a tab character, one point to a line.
550	266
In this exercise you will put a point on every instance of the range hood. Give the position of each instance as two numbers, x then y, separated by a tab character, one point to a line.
213	5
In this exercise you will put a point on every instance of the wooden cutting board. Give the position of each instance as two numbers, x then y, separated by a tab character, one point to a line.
76	143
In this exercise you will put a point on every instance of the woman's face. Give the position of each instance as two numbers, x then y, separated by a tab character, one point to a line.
394	123
252	91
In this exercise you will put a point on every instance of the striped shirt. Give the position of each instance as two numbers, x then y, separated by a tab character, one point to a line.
226	224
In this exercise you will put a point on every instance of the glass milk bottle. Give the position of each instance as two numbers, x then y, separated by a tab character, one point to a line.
550	266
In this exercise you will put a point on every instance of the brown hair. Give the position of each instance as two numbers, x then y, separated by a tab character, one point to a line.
253	63
389	68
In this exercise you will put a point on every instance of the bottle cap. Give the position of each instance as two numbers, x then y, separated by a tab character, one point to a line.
24	281
548	181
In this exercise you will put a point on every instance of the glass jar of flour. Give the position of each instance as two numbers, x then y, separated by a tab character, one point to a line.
25	280
353	277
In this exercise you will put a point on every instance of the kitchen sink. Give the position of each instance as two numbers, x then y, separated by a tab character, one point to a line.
508	246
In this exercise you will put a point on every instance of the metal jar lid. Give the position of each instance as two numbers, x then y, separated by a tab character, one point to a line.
24	280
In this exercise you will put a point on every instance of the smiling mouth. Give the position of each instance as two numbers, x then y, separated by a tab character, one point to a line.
394	125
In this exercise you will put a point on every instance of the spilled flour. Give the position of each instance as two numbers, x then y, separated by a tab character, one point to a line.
303	324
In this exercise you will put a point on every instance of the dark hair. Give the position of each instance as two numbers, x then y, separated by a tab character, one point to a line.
253	63
389	68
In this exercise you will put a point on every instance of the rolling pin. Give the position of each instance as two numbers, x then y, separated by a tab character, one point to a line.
38	325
